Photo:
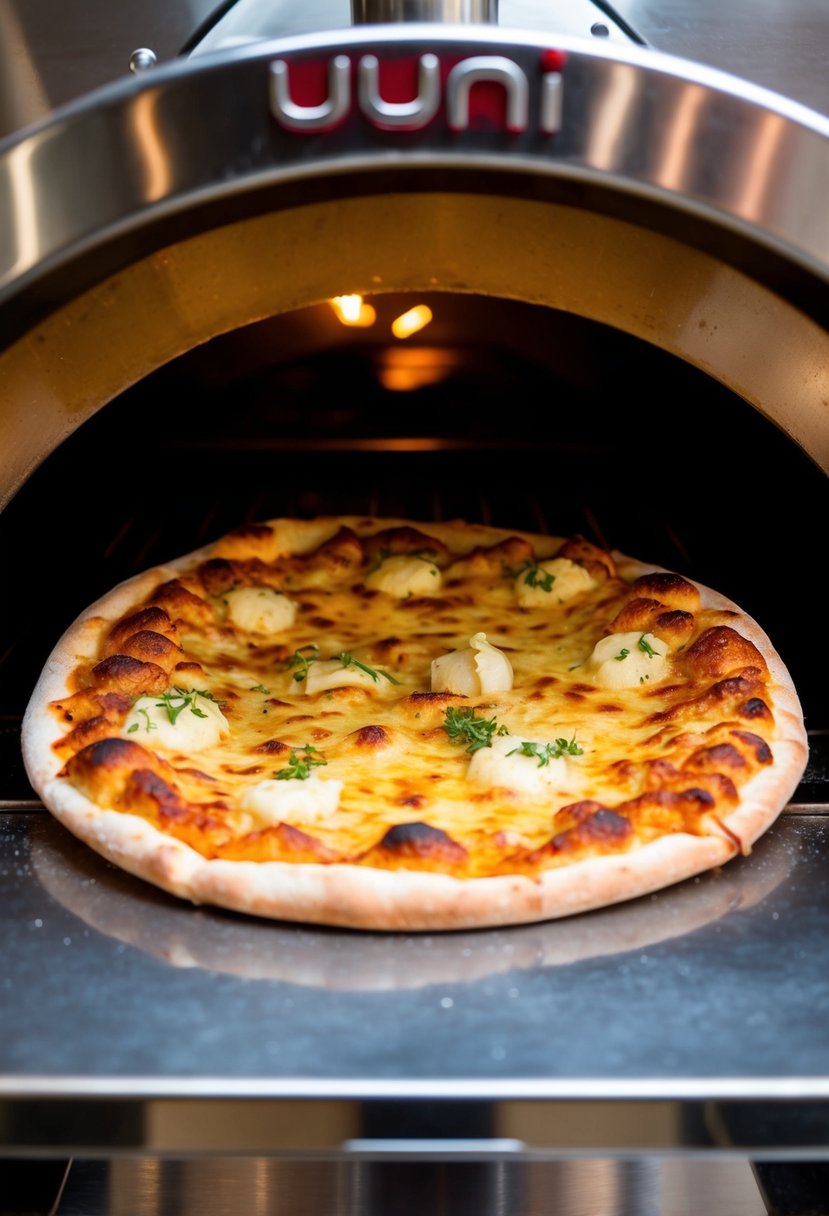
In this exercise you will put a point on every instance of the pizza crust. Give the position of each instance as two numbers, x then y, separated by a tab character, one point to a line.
360	897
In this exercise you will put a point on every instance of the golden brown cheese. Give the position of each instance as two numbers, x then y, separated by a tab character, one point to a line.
622	765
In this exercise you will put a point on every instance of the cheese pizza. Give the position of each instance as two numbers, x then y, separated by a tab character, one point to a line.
396	725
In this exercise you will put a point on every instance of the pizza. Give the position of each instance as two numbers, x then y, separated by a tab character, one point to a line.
397	725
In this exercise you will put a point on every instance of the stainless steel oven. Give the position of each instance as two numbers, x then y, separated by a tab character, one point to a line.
616	220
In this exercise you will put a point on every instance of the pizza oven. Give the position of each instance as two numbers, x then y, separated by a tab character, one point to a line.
560	270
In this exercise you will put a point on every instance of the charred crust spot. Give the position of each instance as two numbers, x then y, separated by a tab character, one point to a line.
113	753
278	842
151	647
400	541
154	619
182	604
217	575
712	759
758	747
122	673
636	614
421	841
599	827
371	737
596	561
755	709
271	747
321	622
413	800
609	707
669	589
145	786
342	551
721	650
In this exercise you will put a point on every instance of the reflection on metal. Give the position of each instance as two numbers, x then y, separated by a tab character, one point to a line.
319	117
142	59
491	69
453	12
353	310
415	113
355	1187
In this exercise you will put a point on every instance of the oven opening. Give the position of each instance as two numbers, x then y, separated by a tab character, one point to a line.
494	411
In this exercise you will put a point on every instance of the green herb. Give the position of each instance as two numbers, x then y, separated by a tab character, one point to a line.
533	575
348	660
303	661
300	763
150	724
463	726
623	654
545	752
179	699
647	648
260	688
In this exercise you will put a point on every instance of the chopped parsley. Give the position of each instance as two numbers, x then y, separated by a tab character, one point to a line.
303	661
175	702
623	654
463	726
545	752
300	763
260	688
533	575
647	648
348	660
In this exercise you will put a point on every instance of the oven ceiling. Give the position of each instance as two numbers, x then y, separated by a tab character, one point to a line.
48	58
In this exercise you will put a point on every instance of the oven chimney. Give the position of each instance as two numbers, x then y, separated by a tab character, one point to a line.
456	12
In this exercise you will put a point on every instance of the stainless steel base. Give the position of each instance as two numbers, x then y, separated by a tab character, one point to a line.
255	1186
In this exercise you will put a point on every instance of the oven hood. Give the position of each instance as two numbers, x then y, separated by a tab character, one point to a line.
610	181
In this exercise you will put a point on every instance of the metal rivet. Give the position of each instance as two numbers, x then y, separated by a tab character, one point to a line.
600	30
142	59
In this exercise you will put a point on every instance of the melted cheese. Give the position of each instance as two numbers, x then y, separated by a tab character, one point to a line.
626	660
504	764
259	610
182	722
568	579
312	800
390	758
405	576
325	674
479	668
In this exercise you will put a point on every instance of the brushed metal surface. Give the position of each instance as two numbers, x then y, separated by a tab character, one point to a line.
228	1187
682	1021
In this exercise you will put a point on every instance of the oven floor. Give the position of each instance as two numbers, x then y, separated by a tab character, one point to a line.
589	1187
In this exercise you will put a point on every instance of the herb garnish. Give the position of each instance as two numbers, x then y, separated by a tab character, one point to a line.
348	660
260	688
179	699
303	661
545	752
623	654
533	575
300	763
150	724
464	726
647	648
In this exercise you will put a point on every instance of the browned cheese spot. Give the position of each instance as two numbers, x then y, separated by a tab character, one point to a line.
371	738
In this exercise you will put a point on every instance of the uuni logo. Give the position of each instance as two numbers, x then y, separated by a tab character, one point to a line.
476	92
